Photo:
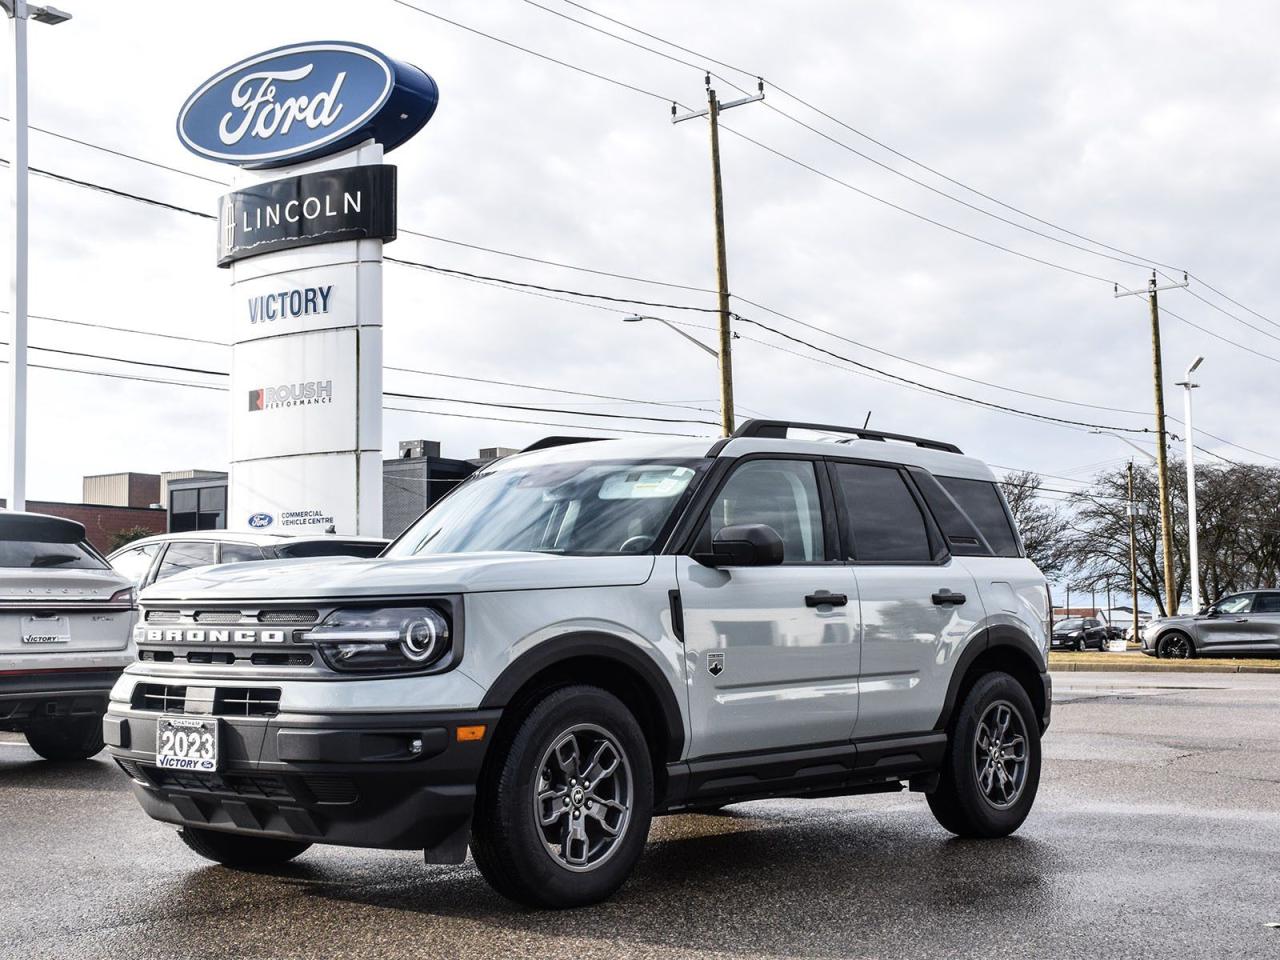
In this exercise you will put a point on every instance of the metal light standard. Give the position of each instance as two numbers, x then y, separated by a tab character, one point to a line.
636	318
1193	539
19	12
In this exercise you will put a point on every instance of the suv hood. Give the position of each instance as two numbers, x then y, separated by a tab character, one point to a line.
341	577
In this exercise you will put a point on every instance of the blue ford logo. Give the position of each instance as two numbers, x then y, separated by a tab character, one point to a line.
260	520
303	101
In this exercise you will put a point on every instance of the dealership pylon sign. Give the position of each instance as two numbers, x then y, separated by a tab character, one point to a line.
301	234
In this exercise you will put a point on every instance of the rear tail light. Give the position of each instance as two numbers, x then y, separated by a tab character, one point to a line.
128	595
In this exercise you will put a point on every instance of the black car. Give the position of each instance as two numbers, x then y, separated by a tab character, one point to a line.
1079	633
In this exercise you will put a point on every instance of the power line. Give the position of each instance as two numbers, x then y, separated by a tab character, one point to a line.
535	53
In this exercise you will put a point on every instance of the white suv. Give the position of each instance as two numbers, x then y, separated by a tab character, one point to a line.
590	633
65	623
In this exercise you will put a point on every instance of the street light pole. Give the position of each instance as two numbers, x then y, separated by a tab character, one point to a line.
19	12
1192	533
636	318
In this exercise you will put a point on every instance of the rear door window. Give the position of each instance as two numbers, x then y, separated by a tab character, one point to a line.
329	548
135	563
982	502
885	522
1266	603
240	552
184	555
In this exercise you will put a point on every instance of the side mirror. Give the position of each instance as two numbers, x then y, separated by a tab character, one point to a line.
1208	612
744	545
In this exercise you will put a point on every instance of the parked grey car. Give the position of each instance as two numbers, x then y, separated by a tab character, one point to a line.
1243	623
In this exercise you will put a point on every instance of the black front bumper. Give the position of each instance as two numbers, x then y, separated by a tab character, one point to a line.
348	779
32	695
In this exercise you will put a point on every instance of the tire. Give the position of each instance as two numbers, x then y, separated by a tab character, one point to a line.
1176	645
961	804
236	850
530	805
1082	645
77	739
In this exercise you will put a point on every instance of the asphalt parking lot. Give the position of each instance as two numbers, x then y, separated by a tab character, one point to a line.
1156	834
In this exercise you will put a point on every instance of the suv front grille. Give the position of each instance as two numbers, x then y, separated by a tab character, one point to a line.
301	617
209	701
164	616
219	616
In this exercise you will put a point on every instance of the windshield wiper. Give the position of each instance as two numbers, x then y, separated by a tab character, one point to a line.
53	559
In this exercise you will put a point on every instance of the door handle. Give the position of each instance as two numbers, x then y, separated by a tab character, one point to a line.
824	599
944	596
1242	619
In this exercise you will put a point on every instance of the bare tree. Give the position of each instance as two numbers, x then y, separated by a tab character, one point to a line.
1044	527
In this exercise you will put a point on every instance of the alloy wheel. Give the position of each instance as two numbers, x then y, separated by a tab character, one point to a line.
582	798
1000	755
1177	647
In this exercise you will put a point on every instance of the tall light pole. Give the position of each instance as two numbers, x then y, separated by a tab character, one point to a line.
19	12
1192	537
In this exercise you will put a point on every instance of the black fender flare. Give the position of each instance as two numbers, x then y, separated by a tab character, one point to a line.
597	645
999	637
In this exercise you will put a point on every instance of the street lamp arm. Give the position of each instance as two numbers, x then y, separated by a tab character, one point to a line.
1108	433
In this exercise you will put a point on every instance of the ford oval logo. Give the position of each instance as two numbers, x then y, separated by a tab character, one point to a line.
303	101
260	520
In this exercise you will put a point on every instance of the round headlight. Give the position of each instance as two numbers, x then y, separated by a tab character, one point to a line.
423	636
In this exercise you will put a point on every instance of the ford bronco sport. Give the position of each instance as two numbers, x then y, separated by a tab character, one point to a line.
587	634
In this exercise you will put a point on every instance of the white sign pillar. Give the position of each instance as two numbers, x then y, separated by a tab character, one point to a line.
306	378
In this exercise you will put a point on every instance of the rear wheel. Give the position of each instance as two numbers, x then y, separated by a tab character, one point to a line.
1176	646
77	739
563	808
992	768
236	850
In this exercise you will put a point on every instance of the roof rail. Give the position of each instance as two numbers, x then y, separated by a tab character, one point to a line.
546	443
778	429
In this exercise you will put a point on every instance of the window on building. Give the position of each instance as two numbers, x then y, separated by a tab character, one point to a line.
198	508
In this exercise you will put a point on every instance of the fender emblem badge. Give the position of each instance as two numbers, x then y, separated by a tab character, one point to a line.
715	663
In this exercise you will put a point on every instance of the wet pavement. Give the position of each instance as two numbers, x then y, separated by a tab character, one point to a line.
1156	834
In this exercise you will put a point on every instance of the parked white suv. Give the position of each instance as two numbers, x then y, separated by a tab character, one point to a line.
590	633
65	624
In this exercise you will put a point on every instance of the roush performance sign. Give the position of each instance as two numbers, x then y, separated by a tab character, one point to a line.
354	203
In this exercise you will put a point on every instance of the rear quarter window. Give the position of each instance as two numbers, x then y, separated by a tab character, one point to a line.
981	500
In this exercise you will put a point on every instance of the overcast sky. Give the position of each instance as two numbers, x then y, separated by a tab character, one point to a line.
1150	126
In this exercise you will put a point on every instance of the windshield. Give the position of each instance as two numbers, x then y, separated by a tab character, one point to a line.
1073	624
64	556
595	507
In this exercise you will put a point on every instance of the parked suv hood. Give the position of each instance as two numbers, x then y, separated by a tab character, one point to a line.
437	573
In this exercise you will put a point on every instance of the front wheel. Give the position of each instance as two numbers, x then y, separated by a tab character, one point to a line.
563	808
992	767
237	850
77	739
1176	646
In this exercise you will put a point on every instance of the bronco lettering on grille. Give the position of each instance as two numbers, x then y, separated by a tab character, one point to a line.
199	635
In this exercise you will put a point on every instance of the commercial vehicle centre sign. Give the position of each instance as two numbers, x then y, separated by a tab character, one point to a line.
301	235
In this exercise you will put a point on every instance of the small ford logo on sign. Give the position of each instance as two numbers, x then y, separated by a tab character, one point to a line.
260	520
303	101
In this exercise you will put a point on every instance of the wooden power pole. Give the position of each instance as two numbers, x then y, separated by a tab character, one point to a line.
712	113
1162	459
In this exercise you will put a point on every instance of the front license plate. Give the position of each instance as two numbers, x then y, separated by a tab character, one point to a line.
187	743
44	630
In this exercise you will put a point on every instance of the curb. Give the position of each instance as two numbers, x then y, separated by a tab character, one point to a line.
1157	666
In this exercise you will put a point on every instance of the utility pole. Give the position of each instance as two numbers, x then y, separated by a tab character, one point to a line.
19	12
1133	551
1162	459
1193	540
712	113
